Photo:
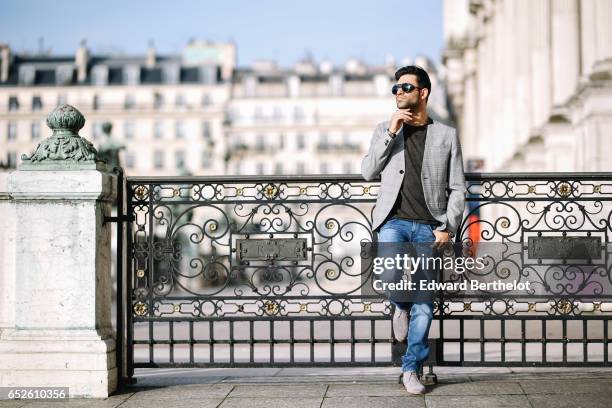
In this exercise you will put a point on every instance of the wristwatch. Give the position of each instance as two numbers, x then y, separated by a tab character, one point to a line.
450	234
391	134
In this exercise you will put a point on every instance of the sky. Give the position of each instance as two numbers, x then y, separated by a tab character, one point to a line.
281	30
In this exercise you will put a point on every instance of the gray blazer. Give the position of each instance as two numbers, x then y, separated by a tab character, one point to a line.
442	173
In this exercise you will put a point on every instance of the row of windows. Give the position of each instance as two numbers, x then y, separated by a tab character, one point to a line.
36	103
277	115
159	101
129	130
299	168
261	141
160	156
11	133
159	159
206	161
324	142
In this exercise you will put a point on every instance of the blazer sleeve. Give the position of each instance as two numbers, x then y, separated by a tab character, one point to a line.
378	153
456	184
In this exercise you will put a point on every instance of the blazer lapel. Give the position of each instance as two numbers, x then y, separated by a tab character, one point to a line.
432	130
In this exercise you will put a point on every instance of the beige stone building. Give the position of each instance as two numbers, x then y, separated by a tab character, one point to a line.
168	111
531	82
198	113
309	119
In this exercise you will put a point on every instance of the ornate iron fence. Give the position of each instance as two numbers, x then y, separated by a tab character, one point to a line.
264	271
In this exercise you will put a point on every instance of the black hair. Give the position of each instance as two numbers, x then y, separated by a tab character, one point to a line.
420	73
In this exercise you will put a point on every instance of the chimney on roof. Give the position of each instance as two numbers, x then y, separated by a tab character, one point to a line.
81	61
151	56
5	62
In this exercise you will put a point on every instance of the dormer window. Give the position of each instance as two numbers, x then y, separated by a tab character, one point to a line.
100	75
27	75
64	74
132	75
171	74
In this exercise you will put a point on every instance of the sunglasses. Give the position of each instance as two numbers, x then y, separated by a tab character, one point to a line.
406	87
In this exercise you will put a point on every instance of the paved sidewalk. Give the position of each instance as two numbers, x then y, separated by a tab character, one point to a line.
354	387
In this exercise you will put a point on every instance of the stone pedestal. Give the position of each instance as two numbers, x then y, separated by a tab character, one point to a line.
62	334
55	298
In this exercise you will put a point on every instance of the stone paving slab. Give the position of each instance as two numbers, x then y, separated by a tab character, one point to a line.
192	391
576	385
364	388
476	388
481	401
271	403
201	402
599	400
374	402
279	391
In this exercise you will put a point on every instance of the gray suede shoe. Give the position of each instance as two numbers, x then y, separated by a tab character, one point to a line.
400	324
412	384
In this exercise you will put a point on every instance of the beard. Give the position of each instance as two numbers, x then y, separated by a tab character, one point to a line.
404	104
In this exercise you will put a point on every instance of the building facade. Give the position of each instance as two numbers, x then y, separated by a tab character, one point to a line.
530	82
167	111
197	113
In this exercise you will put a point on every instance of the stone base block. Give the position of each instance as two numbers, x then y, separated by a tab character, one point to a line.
84	364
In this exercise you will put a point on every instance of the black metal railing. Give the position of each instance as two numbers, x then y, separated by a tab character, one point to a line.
264	270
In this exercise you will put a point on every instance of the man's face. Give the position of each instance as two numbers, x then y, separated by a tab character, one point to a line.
410	100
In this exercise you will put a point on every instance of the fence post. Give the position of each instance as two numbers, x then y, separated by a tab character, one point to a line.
62	334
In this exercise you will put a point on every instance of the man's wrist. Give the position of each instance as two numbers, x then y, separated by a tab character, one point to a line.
391	134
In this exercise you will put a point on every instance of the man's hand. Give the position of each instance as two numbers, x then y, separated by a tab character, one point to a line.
442	239
399	118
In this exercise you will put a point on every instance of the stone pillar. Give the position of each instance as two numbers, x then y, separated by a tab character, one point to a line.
596	38
540	62
565	50
7	256
62	334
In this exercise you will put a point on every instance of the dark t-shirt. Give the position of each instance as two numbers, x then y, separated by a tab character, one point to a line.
410	202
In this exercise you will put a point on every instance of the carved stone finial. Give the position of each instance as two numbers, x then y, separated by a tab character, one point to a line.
64	149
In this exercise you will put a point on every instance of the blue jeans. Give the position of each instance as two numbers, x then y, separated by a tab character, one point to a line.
421	313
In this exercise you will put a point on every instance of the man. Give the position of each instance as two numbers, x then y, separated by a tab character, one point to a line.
421	198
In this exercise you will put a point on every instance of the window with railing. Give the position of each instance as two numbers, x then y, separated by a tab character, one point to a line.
130	160
298	114
179	159
158	159
128	130
260	142
13	104
206	159
36	103
129	102
35	130
158	100
11	131
179	100
206	134
299	168
97	129
179	129
206	100
11	159
158	129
